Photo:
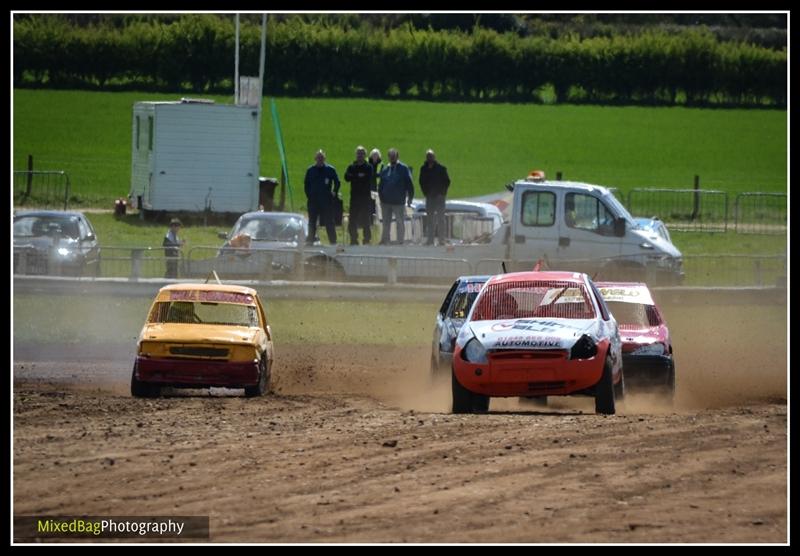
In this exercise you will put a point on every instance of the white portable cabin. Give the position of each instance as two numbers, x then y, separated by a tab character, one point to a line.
193	155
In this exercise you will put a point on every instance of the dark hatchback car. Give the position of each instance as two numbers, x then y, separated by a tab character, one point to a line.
451	316
56	243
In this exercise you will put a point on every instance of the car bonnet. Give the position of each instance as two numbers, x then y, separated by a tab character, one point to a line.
529	333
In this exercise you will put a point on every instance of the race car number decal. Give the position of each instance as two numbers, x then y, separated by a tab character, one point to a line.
474	287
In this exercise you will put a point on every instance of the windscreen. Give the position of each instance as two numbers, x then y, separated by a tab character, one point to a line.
204	312
534	299
278	228
38	226
633	315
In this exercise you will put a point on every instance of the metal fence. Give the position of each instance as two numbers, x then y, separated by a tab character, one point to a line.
198	262
760	213
683	210
43	189
133	262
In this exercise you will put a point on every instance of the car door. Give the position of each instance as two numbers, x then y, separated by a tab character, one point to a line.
586	230
535	230
439	328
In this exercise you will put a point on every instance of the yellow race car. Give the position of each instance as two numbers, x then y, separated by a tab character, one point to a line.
204	335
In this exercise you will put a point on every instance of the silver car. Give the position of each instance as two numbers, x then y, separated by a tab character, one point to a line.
55	242
449	319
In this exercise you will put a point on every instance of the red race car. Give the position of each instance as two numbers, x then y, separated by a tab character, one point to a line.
646	344
533	334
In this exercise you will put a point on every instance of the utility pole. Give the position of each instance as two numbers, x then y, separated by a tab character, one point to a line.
236	66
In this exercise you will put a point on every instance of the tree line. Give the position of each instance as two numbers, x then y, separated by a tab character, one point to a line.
194	53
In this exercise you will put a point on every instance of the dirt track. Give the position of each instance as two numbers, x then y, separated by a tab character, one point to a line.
355	446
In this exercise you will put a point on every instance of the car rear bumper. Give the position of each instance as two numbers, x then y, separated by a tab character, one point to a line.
197	373
647	370
545	376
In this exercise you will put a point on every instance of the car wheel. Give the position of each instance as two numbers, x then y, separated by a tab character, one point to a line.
604	391
262	387
619	388
141	389
434	372
669	388
465	401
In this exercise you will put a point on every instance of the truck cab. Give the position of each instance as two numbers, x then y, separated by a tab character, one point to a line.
585	227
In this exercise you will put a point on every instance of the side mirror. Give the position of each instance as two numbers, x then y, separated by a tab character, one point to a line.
222	235
89	237
619	227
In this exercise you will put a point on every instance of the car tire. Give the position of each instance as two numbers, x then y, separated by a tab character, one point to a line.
141	389
434	371
465	401
604	391
619	388
669	389
262	387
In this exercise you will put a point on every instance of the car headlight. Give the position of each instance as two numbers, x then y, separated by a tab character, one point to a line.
656	348
64	252
584	348
474	352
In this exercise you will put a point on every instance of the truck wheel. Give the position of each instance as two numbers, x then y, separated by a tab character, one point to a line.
262	387
141	389
465	401
604	392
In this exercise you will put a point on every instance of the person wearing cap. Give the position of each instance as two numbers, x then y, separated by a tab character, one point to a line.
396	190
359	174
434	182
320	178
172	248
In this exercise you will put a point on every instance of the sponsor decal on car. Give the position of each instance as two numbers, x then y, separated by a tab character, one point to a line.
528	341
627	295
211	296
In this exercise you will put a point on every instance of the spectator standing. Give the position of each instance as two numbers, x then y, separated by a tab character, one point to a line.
320	178
434	182
360	176
396	190
374	161
172	248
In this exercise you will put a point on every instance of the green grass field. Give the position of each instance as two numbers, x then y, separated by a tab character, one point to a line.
118	320
484	146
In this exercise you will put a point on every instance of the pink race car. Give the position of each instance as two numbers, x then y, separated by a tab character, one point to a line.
646	344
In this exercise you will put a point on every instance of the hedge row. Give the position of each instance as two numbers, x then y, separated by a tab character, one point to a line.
195	52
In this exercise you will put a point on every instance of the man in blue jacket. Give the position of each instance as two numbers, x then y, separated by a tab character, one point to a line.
320	177
395	191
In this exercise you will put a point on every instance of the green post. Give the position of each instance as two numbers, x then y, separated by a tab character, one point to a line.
276	123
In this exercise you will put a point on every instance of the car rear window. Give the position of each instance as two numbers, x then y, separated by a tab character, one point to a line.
461	305
633	315
533	299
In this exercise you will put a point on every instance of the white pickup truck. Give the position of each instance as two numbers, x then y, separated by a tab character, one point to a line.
570	225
